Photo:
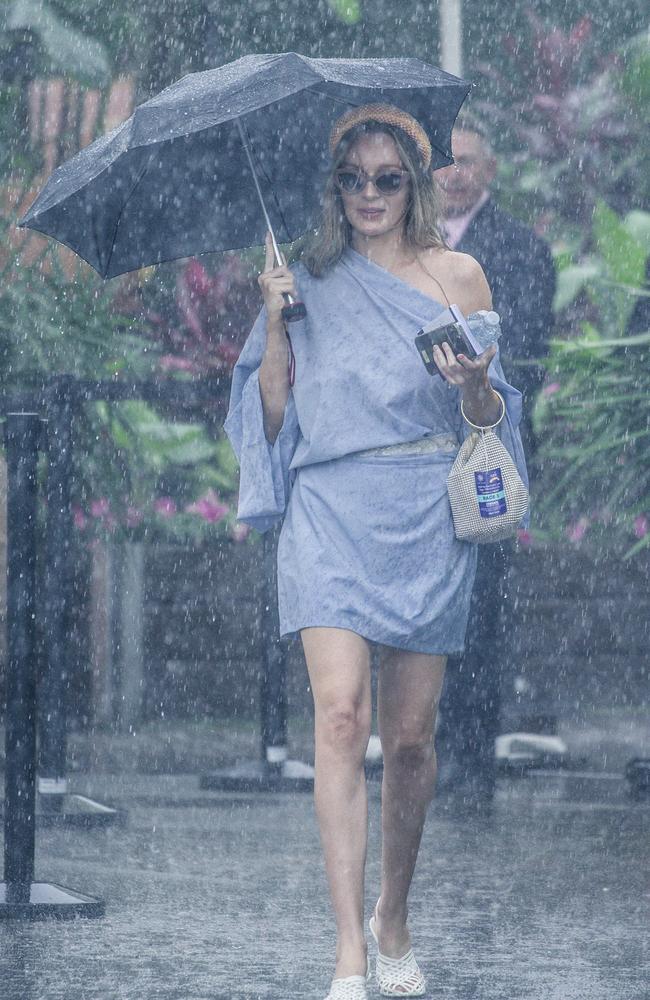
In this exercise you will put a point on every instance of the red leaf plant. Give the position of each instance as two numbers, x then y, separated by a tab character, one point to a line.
555	98
214	314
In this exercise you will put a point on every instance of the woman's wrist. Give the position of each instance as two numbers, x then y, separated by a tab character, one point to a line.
277	345
482	405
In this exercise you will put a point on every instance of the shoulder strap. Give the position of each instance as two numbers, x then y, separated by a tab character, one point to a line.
427	271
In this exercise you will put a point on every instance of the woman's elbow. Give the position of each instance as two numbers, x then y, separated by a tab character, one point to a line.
272	428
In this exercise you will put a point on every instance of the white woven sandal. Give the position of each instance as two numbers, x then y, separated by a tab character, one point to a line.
350	988
397	977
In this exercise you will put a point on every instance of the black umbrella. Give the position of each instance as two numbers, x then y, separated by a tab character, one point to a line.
184	174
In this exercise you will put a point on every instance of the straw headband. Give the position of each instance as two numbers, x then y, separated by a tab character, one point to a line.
387	114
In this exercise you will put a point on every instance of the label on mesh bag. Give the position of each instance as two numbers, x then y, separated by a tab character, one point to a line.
490	494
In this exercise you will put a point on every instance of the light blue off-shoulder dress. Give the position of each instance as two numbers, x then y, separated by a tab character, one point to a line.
367	541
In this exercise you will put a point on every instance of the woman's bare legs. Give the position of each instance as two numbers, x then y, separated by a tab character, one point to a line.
339	670
409	691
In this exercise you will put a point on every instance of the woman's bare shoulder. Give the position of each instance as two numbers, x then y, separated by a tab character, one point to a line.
465	275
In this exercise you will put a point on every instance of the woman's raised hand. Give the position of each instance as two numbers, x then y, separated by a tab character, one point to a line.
482	404
275	282
470	376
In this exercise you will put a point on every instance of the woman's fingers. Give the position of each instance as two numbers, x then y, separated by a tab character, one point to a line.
460	369
450	357
280	280
275	282
274	287
480	363
447	363
272	271
269	263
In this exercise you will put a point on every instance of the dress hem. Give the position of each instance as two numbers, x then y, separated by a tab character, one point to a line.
406	646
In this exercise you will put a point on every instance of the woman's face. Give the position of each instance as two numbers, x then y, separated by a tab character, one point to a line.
368	211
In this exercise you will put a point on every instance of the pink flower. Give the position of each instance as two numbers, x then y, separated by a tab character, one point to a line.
577	530
80	519
133	517
551	389
209	507
100	508
165	506
641	525
524	537
240	532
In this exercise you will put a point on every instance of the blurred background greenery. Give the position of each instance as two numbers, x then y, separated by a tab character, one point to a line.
566	87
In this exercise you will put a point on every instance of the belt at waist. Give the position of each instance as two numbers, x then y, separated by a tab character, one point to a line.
423	446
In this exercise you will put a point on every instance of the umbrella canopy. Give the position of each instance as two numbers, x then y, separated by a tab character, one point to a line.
174	180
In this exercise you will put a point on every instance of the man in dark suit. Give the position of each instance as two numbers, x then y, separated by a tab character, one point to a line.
519	269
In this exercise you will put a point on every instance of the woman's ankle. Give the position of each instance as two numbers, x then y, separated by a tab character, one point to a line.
351	958
391	913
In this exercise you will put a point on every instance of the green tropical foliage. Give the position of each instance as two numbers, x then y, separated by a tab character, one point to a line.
142	472
572	119
145	478
612	273
348	10
51	324
595	428
593	416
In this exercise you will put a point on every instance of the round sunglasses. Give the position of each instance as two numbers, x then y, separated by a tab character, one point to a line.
389	181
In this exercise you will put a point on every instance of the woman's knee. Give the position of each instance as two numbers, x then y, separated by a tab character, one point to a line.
409	750
343	723
339	669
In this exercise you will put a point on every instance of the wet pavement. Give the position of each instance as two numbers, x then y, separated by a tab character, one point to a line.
213	895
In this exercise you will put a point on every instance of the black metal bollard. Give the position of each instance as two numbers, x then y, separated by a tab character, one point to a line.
273	700
274	772
20	896
56	806
22	433
57	585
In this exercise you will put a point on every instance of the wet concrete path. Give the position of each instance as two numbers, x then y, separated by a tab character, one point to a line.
547	897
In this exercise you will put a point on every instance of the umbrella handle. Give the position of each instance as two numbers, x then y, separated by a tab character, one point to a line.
293	310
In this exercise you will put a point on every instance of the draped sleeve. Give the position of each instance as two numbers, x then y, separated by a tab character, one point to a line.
264	478
482	334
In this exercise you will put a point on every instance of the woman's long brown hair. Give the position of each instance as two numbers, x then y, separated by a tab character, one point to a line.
326	245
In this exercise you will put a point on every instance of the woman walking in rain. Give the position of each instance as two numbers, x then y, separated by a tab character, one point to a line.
354	455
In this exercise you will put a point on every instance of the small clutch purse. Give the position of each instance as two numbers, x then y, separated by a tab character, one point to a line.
487	495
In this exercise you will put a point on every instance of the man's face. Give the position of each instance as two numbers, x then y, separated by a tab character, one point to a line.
473	171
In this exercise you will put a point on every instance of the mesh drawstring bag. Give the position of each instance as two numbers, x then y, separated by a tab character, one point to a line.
487	495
